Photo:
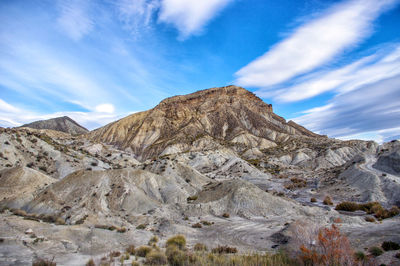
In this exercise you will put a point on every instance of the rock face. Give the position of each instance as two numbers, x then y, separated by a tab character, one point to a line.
219	115
63	124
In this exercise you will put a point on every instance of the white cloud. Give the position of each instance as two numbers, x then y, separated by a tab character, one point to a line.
11	116
105	108
74	18
370	69
190	16
314	43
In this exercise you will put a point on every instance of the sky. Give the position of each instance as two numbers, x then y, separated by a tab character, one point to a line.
331	66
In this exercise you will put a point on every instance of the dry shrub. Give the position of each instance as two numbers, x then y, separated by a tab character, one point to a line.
142	251
225	215
313	200
327	201
155	257
200	247
347	206
115	254
90	263
153	240
370	219
224	249
179	241
197	225
130	249
44	262
321	246
175	256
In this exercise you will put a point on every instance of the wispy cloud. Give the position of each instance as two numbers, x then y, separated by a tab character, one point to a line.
378	66
314	43
137	14
75	18
370	108
190	16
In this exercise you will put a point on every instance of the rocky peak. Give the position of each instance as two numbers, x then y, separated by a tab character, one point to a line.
218	116
63	124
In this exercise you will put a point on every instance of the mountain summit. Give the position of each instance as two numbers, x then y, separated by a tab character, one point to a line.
63	124
226	115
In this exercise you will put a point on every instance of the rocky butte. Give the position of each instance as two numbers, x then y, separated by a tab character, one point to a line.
217	166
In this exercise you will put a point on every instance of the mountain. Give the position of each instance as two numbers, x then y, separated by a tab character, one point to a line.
227	116
218	166
63	124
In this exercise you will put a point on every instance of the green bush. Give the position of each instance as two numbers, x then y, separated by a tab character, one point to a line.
376	251
155	257
142	251
390	245
360	256
179	241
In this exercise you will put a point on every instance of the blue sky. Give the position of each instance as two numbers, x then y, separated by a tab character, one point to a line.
332	66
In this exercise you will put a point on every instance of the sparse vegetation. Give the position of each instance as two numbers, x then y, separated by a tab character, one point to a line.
141	226
313	200
226	215
153	240
224	249
179	241
375	251
197	225
200	247
142	251
327	201
374	208
43	262
390	245
130	249
156	257
90	263
360	256
192	198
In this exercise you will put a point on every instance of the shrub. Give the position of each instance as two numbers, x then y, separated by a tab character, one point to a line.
121	230
179	241
30	165
397	255
197	225
142	251
313	200
90	263
360	256
43	262
326	246
328	201
376	251
94	164
347	206
206	222
226	215
141	226
192	198
390	245
115	254
224	249
394	211
155	257
59	221
175	256
370	219
130	249
200	247
153	240
43	168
